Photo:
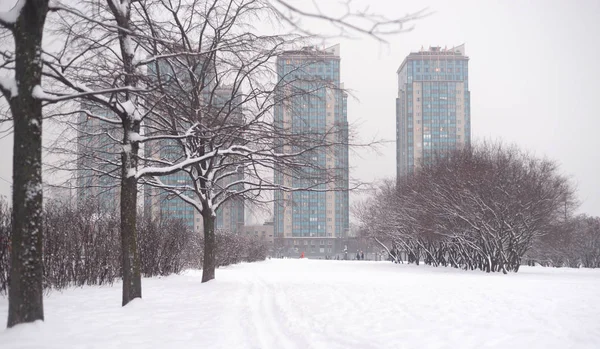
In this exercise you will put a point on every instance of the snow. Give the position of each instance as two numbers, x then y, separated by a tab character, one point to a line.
10	84
39	93
33	189
11	16
129	46
128	107
327	304
121	6
136	137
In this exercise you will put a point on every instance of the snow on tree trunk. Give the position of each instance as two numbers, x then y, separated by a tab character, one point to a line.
25	291
210	245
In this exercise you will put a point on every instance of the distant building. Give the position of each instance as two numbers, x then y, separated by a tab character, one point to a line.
160	205
97	179
433	110
230	215
263	231
63	193
316	216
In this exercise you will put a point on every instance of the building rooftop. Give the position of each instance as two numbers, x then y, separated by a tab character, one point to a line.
439	51
332	51
436	52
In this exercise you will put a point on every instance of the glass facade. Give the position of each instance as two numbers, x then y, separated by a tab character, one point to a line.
432	107
97	180
319	110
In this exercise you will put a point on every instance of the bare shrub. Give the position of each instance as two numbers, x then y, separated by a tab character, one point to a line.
477	208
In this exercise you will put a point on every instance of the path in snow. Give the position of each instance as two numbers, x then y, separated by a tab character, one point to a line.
289	304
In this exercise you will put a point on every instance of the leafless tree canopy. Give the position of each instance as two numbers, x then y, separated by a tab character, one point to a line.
204	86
475	208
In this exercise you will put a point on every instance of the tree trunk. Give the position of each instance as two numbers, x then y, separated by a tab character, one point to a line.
210	246
132	279
25	298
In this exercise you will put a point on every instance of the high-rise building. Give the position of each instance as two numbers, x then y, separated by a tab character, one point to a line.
97	178
433	113
317	105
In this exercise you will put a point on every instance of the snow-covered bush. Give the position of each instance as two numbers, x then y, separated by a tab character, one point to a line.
162	246
574	242
478	208
82	246
232	249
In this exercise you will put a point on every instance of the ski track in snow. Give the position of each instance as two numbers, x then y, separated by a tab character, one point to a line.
303	304
269	327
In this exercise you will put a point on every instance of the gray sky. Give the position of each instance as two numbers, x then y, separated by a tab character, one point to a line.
533	79
533	74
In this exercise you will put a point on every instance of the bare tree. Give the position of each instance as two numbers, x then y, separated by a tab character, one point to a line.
25	21
217	103
120	97
344	17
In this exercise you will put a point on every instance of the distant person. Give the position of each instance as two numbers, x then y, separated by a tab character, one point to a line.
362	255
357	255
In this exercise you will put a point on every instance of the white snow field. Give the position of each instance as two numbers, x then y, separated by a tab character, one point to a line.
327	304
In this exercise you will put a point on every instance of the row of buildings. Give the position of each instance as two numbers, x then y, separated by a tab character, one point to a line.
432	115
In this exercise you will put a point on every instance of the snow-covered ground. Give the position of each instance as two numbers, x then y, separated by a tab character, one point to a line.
327	304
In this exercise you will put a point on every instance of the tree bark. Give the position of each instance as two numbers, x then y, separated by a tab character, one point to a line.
210	246
132	279
25	298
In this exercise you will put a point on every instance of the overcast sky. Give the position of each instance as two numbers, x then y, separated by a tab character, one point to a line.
534	76
533	72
